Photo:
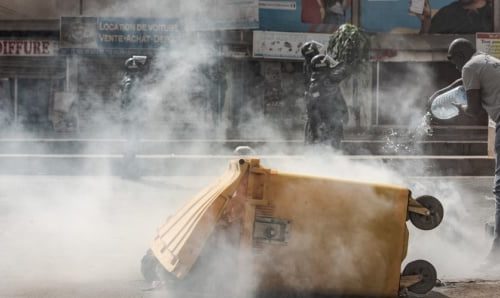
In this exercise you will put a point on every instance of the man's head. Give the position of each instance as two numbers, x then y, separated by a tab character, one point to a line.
460	51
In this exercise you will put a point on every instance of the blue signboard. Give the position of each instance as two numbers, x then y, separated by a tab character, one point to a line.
89	35
304	15
324	16
125	33
221	15
445	16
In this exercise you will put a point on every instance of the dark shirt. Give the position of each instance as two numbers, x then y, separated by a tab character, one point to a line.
325	95
132	107
331	3
306	72
453	18
127	85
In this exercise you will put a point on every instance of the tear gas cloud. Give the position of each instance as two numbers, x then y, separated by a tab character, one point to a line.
459	246
98	228
404	96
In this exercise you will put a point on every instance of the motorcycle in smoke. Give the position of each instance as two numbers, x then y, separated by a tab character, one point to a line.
132	108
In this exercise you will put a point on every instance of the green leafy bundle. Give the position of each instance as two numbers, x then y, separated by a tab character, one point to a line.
350	45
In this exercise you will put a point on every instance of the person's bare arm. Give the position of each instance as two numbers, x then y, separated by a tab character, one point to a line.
321	9
455	84
472	85
473	107
425	18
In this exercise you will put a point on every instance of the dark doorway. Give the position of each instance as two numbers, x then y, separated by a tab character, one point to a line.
33	102
6	103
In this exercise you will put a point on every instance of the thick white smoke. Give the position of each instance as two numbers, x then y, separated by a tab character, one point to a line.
97	228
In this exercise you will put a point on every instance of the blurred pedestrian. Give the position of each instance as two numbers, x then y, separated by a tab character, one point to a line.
133	112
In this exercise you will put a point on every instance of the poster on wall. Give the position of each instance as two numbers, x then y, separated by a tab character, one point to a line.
89	35
433	17
221	15
135	33
78	33
319	16
284	45
488	43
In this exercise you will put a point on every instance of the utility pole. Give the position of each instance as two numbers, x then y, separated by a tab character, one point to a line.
355	13
81	7
496	15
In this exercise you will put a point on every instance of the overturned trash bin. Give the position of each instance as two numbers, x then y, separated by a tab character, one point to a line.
278	234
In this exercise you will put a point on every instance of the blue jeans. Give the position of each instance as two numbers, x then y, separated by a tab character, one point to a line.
496	188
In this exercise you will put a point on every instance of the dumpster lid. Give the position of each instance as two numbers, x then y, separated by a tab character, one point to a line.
179	242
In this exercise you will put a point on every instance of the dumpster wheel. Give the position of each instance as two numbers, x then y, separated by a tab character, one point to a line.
432	215
423	274
148	267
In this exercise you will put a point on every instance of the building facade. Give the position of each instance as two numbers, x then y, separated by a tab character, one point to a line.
61	62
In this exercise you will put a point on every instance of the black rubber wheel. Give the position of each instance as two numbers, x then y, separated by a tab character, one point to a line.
149	265
428	273
431	221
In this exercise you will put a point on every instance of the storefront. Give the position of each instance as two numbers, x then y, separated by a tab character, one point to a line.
279	54
187	67
31	73
408	60
284	27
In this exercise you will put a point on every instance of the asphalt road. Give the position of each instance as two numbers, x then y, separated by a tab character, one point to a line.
84	236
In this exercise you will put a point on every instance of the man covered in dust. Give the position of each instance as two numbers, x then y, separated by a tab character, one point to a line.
217	90
481	80
209	90
326	107
132	111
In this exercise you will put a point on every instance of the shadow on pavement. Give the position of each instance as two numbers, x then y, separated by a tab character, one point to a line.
432	294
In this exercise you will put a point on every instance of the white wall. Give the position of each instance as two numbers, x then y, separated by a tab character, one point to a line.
53	9
37	9
124	8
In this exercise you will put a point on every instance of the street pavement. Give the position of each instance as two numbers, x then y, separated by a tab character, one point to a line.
84	236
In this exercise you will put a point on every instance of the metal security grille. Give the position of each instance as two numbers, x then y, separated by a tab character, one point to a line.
33	67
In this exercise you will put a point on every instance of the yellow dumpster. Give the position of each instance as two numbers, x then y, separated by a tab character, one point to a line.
260	230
